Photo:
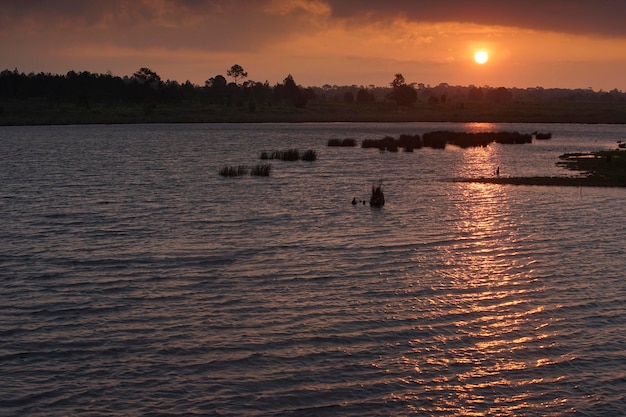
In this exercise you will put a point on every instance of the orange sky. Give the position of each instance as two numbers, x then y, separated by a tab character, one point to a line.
549	43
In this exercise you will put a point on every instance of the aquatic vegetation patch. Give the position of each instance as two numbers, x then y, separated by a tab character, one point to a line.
309	155
290	155
543	135
441	138
234	171
260	170
348	142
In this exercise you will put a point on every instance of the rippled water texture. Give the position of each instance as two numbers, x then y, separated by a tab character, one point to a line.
137	281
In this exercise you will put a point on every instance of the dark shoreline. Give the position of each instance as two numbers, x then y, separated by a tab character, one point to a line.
548	181
22	112
600	169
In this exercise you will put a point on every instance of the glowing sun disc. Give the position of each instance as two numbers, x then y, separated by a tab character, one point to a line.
481	57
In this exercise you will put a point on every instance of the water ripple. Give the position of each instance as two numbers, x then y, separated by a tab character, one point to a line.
136	281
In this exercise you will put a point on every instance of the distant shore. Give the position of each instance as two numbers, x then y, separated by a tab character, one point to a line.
44	112
549	181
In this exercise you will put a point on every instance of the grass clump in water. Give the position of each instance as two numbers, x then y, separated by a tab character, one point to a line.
348	142
309	155
290	155
261	170
233	171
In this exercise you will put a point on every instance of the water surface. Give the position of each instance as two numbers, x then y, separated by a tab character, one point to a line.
137	281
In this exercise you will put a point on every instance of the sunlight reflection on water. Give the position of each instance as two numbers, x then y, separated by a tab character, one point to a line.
486	329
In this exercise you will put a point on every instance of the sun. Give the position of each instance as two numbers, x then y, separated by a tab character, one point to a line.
481	57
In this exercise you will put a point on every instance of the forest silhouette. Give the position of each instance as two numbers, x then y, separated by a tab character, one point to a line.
143	97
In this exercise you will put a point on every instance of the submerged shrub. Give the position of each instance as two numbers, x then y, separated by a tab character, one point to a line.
349	142
410	142
440	138
232	171
261	170
287	155
309	155
290	155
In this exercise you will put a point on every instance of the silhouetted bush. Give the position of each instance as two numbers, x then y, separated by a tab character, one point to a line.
409	142
513	138
439	139
435	140
381	144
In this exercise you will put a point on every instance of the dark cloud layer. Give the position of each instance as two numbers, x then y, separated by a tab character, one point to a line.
226	25
324	40
602	17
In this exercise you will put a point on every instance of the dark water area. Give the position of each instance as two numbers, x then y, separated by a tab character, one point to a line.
136	281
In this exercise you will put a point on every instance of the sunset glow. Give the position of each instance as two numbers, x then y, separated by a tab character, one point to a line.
324	41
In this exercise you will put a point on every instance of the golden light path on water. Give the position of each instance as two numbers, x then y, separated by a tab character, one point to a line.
484	338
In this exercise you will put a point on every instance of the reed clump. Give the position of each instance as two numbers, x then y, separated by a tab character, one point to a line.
309	155
290	155
348	142
441	138
234	171
260	170
386	143
286	155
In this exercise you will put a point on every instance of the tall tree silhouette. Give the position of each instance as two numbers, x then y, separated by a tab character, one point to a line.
148	76
402	94
237	72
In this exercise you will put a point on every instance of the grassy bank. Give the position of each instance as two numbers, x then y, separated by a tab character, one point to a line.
43	112
598	169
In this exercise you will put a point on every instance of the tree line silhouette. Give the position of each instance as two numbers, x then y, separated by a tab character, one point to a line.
146	87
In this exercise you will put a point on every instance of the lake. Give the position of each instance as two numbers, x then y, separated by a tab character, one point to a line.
137	281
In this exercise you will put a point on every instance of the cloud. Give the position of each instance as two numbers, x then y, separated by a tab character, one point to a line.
248	25
210	25
318	41
598	17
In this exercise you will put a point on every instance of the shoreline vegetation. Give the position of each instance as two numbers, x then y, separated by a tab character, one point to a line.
29	112
597	169
143	97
